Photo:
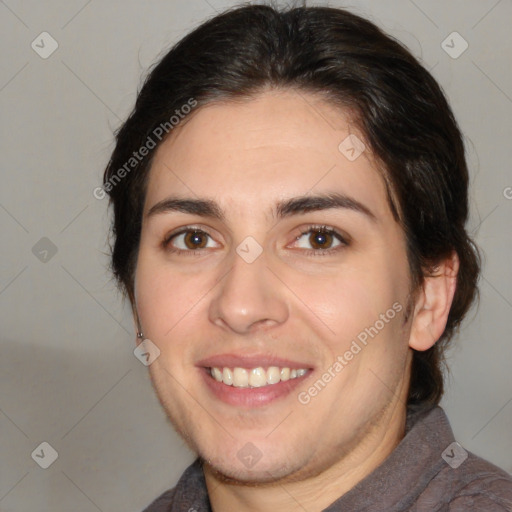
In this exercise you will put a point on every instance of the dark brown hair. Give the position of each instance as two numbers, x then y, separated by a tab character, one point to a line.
398	107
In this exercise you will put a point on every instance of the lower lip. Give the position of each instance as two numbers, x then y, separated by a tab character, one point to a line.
251	397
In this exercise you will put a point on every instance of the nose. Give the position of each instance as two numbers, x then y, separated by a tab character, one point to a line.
249	297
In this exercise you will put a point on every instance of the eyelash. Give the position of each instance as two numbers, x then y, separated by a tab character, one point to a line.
310	229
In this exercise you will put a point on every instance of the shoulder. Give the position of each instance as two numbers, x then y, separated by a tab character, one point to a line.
163	503
476	485
452	479
189	494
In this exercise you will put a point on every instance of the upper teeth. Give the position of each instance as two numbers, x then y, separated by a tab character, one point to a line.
255	377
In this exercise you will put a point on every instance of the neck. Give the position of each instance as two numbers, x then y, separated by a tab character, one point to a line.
316	491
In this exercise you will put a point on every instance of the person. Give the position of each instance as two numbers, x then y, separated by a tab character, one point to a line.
290	196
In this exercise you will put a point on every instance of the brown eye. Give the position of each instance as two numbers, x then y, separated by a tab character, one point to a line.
195	239
189	240
321	239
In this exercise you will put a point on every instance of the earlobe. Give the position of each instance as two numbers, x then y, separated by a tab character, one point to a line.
433	304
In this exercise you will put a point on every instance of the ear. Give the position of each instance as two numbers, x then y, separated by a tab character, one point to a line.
433	304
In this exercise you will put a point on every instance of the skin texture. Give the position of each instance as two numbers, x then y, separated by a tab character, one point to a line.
288	303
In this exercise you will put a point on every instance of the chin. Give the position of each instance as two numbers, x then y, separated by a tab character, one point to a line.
263	472
245	464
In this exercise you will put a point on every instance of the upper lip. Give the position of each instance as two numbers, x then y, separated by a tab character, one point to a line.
249	361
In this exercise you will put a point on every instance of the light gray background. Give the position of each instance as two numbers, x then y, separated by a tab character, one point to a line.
68	375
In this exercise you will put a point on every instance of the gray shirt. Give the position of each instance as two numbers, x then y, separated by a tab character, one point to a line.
427	471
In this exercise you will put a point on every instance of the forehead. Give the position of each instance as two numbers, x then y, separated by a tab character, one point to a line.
248	154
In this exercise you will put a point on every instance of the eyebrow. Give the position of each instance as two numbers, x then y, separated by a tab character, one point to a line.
283	209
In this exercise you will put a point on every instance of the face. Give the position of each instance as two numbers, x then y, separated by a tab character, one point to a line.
269	257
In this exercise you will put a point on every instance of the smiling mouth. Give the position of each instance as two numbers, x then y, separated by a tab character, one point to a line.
255	377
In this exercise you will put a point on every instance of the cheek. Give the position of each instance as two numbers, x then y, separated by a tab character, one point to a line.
168	303
158	297
350	301
361	307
